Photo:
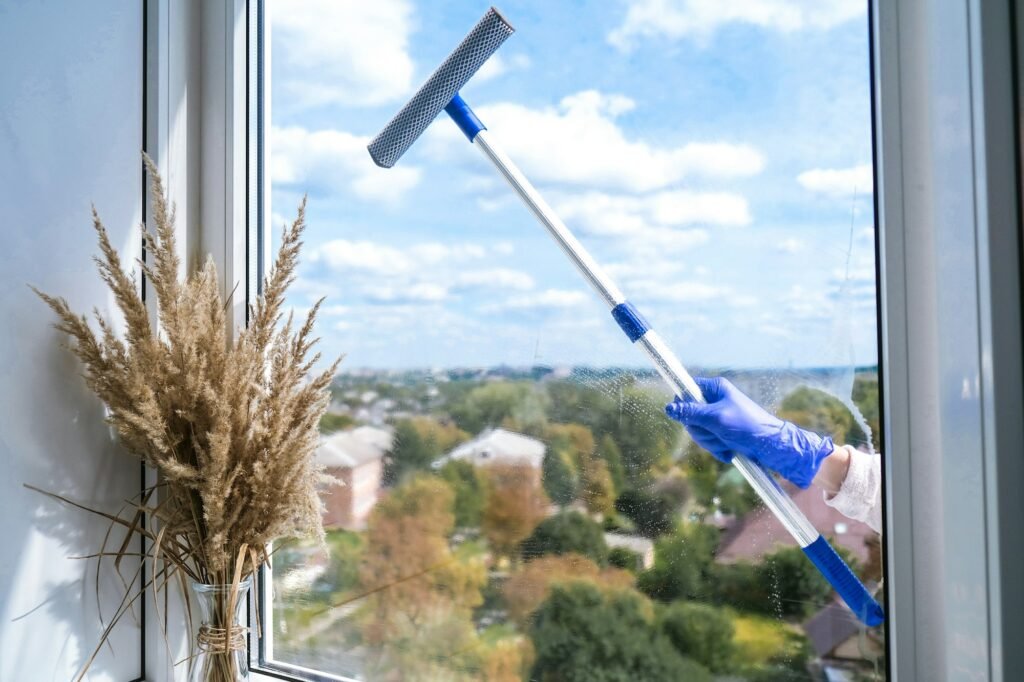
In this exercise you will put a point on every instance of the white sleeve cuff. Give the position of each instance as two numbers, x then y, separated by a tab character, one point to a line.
860	496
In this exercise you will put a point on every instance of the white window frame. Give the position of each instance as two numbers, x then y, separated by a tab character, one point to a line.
947	203
943	73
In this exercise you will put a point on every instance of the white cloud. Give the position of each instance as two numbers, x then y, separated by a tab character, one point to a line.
675	19
382	259
672	290
499	65
334	160
414	292
343	254
335	310
622	215
791	245
430	272
349	52
549	298
838	183
579	142
498	278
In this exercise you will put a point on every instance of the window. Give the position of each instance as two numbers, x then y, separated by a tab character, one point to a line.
511	481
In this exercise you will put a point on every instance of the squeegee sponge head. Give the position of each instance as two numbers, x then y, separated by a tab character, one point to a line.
438	90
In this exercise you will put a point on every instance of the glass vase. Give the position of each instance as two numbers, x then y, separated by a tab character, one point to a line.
220	652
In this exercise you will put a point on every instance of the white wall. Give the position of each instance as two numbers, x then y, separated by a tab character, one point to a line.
71	93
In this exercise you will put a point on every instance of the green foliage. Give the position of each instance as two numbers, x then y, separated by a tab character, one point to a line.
702	471
331	422
629	415
612	456
621	557
342	573
735	496
565	532
598	489
419	442
682	565
785	583
653	514
740	586
769	650
470	492
559	478
801	586
643	434
673	487
865	397
701	632
520	406
574	402
581	634
822	413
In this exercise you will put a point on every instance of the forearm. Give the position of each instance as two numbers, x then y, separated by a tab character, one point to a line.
833	471
852	481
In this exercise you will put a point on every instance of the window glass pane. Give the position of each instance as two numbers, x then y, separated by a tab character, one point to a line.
514	503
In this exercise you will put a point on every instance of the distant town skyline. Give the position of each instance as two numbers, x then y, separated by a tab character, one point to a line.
717	163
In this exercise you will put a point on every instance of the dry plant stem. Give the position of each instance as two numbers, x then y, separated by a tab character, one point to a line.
229	425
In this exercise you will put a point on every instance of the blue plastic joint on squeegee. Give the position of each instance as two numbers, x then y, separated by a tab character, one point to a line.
630	320
464	117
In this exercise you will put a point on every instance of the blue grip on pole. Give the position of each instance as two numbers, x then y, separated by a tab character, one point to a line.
630	320
464	117
849	587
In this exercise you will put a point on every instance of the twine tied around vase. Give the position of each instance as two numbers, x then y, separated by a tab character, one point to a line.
216	641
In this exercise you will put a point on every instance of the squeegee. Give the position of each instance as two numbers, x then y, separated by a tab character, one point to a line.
441	92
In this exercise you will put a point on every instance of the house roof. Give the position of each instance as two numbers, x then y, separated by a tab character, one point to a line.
830	627
760	532
499	445
352	448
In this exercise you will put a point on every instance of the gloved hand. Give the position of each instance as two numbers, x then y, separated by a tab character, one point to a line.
731	422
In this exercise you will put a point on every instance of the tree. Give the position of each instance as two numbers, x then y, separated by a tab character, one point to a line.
576	440
418	443
652	514
565	532
572	401
558	477
515	505
342	572
598	490
582	633
865	397
470	493
800	587
701	632
519	405
702	471
682	564
822	413
643	434
623	558
610	453
739	586
419	596
331	422
527	588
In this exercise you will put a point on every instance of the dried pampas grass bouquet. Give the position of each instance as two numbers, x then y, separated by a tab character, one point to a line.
229	425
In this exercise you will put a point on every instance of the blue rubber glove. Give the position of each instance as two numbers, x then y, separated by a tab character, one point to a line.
731	422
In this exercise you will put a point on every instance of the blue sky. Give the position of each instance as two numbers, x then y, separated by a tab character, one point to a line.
713	155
